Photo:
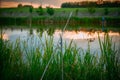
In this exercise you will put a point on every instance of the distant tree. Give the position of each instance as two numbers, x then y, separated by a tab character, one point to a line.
28	6
106	11
91	10
87	4
50	11
76	12
30	9
19	5
40	10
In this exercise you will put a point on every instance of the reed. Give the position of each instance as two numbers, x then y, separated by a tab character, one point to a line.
20	61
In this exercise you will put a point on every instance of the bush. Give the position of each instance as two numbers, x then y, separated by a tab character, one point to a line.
19	5
31	9
91	10
50	11
76	12
106	11
40	11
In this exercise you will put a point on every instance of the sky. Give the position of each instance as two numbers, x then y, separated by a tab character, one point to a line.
36	3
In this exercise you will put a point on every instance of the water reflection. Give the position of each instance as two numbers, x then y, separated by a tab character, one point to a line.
31	31
85	35
81	34
4	36
21	29
50	31
80	37
39	31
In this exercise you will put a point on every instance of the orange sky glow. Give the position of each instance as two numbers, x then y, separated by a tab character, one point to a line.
36	3
15	4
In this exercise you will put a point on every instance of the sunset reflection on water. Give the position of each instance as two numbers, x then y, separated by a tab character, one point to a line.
84	34
4	36
81	37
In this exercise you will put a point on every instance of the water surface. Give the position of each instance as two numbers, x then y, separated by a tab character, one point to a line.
80	37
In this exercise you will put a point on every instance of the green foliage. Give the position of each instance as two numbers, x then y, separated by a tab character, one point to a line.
21	63
40	10
76	12
50	11
109	58
91	10
106	11
50	31
87	3
30	9
19	5
83	21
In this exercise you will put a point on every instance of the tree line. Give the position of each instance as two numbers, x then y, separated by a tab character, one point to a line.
40	10
88	4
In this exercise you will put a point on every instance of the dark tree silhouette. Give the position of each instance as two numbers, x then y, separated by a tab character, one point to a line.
40	10
50	11
87	4
20	5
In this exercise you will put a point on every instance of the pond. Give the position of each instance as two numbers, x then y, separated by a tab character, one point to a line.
81	37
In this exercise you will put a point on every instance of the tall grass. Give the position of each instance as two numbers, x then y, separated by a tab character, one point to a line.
18	63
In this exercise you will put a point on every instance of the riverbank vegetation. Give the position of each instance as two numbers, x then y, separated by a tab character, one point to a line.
43	59
59	16
63	11
18	62
74	21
